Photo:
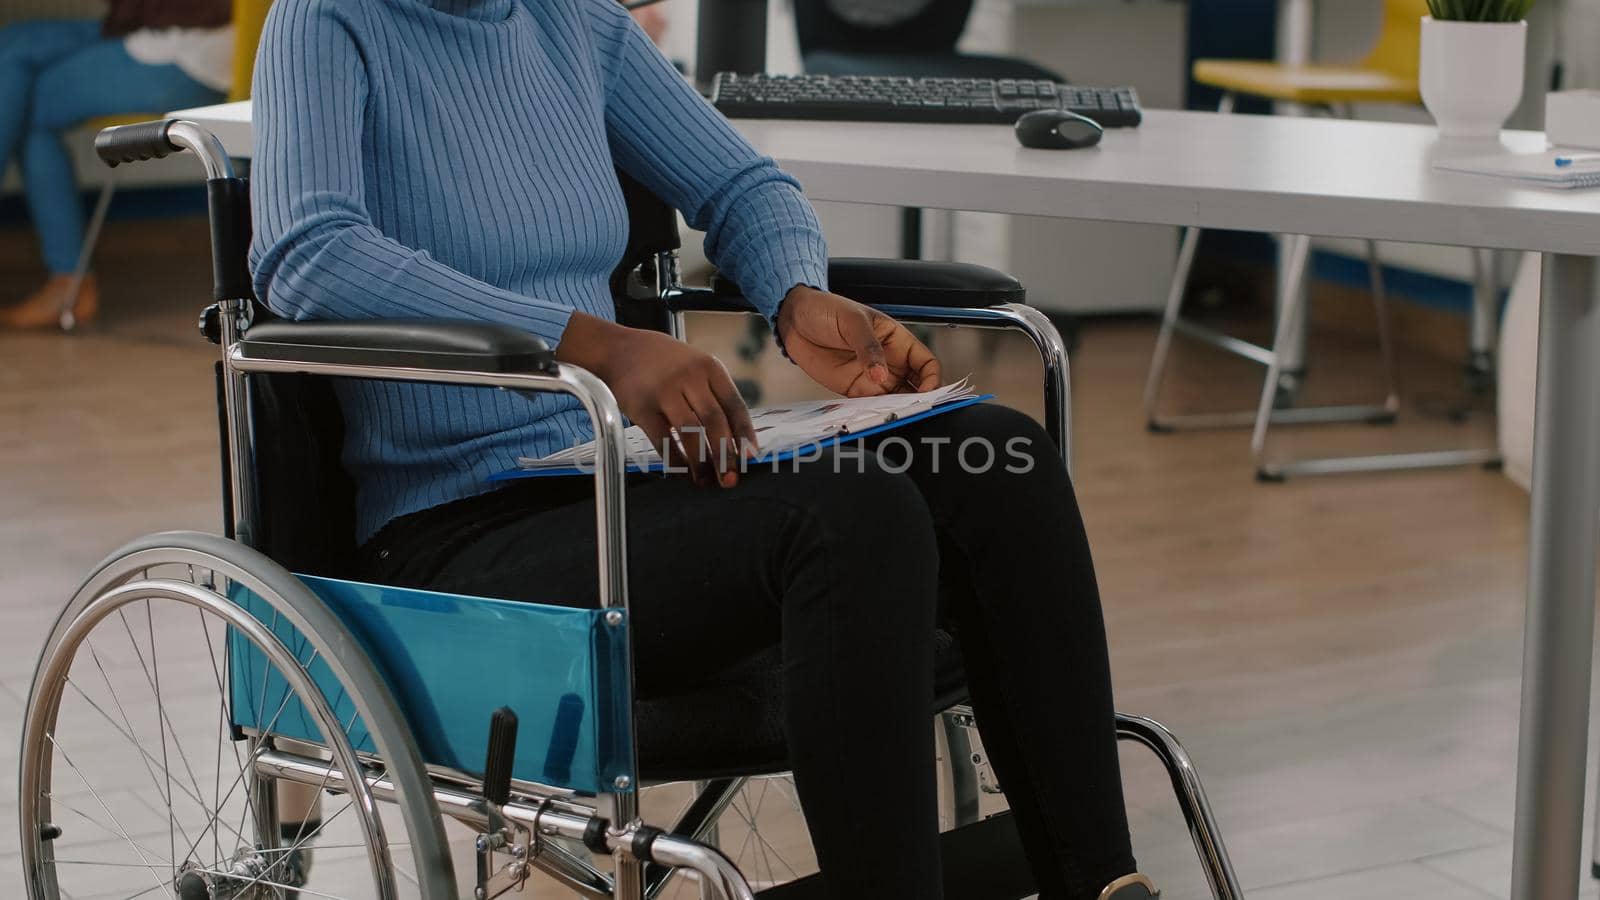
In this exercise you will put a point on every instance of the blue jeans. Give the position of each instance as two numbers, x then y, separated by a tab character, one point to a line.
53	77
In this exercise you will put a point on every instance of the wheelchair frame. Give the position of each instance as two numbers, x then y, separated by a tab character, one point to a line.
513	821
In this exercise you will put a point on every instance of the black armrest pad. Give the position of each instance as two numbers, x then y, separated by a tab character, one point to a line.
917	282
901	282
407	343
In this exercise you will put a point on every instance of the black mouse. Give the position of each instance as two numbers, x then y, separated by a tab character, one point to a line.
1058	129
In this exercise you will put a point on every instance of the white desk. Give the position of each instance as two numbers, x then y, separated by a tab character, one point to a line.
1326	178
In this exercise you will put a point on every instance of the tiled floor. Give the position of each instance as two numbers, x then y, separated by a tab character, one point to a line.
1341	656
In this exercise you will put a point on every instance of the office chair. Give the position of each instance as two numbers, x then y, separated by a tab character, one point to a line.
1388	74
249	17
370	715
915	39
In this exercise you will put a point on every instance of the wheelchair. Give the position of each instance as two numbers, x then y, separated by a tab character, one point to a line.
310	736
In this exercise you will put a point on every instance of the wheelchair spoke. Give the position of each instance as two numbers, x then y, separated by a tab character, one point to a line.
301	889
98	862
130	733
142	893
222	725
145	754
162	722
161	715
107	810
57	801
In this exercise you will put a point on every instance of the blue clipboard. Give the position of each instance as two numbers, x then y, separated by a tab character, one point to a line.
769	459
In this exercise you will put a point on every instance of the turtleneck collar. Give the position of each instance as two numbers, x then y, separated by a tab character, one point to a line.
483	10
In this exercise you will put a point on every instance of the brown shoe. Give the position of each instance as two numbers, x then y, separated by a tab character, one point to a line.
43	308
1131	887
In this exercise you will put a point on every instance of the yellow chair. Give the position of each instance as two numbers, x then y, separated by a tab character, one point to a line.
1387	75
249	17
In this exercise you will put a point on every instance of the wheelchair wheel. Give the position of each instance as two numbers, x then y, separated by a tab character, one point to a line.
136	781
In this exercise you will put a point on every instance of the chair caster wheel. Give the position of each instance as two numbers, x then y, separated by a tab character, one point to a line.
1155	427
1267	476
1479	375
1499	465
1383	418
1287	392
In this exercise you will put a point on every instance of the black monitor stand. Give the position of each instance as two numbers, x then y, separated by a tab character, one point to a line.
732	37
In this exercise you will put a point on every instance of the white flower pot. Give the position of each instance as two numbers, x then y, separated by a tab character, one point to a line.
1471	75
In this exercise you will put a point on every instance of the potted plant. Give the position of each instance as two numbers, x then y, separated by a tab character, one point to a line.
1473	53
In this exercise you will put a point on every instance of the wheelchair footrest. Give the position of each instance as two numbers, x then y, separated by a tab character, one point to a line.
983	861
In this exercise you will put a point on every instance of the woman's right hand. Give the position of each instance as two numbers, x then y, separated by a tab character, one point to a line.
683	398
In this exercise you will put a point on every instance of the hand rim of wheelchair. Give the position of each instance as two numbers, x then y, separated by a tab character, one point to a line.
119	581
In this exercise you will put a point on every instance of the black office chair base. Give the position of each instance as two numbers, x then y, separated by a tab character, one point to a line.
981	861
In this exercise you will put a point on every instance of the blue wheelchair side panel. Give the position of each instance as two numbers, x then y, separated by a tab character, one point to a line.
451	660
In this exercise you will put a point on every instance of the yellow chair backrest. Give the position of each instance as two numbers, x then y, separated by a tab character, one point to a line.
1398	50
249	17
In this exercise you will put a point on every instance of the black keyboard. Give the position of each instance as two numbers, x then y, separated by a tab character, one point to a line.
884	98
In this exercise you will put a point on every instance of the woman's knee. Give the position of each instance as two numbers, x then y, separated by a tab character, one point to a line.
979	441
863	516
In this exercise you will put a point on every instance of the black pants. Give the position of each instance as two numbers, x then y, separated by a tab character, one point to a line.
840	560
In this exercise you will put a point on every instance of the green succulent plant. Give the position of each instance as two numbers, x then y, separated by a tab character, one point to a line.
1480	10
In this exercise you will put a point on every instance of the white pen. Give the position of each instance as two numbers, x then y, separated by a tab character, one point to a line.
1574	159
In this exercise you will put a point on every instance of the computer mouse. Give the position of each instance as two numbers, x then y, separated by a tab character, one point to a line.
1058	129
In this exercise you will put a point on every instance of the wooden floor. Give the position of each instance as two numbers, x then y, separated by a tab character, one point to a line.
1341	655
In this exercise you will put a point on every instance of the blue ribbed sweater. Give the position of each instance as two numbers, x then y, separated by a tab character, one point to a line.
456	159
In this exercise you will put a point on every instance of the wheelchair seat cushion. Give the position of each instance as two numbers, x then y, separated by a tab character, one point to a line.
734	726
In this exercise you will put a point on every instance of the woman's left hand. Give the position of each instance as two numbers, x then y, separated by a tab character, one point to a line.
852	349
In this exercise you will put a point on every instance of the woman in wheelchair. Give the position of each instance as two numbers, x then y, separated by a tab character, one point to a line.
457	158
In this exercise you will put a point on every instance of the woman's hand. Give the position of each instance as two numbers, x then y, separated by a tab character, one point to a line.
852	349
682	398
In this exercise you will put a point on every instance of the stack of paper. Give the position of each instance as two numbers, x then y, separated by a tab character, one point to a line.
784	431
1554	168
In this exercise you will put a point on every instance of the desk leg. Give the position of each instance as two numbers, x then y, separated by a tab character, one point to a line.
1558	641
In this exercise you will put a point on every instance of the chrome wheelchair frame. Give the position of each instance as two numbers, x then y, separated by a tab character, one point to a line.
514	819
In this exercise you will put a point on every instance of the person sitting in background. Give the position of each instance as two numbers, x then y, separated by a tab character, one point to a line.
146	56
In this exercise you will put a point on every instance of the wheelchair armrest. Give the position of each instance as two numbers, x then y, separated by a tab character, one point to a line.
920	282
886	282
439	344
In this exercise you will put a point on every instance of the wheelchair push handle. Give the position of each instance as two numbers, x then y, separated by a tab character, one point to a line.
134	143
160	138
228	198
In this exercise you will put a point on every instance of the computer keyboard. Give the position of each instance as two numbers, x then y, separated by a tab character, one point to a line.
883	98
